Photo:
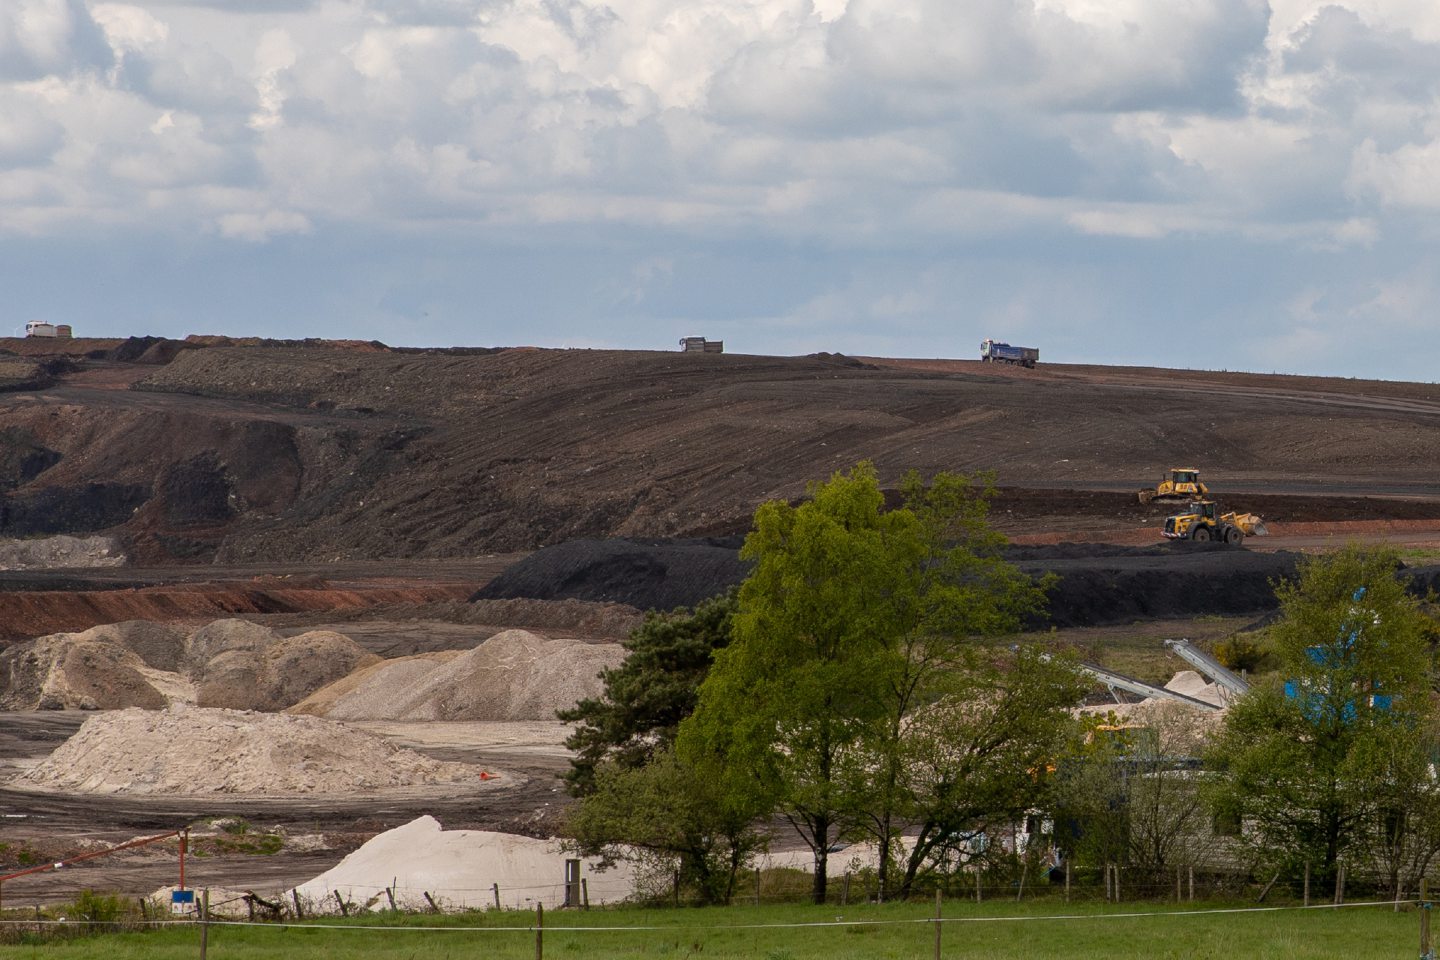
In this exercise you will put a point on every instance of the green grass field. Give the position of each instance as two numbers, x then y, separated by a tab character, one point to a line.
785	933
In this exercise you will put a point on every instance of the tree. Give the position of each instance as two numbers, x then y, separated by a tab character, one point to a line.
981	755
699	819
846	627
1308	762
647	696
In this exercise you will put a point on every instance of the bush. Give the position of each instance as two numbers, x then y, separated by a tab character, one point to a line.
1242	652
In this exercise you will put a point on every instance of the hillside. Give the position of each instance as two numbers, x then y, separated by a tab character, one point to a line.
211	451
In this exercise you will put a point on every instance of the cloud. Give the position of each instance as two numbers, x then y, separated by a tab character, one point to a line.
40	38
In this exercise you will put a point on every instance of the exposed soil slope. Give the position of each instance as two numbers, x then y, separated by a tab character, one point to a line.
314	452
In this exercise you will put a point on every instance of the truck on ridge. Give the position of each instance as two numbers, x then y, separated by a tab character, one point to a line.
992	351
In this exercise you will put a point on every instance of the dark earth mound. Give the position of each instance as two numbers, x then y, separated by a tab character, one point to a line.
644	574
79	509
1098	583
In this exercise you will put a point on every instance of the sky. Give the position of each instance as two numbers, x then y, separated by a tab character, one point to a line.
1192	183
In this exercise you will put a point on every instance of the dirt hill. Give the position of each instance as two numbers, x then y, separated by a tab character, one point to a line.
210	451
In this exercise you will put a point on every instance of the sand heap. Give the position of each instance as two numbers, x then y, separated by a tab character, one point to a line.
228	663
458	868
515	675
193	751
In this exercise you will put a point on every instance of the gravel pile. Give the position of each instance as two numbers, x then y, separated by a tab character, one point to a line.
192	751
515	675
458	869
228	663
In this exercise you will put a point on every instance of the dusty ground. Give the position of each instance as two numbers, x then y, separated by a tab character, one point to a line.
315	454
528	757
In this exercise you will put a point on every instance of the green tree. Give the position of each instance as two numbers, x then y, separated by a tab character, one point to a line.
849	622
1308	761
647	696
700	820
981	755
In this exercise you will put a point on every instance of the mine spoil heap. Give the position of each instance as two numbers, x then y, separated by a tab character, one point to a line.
194	751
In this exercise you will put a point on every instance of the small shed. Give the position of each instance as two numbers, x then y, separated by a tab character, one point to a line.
701	345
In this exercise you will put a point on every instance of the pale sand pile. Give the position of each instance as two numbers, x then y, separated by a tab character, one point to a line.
60	552
193	751
458	868
515	675
227	663
1193	685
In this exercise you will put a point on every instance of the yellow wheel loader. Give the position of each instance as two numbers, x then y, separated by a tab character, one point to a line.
1182	483
1202	520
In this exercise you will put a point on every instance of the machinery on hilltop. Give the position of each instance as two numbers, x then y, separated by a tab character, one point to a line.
1202	520
1181	483
40	328
992	351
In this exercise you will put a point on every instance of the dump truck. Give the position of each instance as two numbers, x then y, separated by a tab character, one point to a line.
1181	483
1203	520
42	328
992	351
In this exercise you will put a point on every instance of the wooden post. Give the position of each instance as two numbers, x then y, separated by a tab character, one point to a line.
204	922
144	909
677	888
937	924
845	890
1117	883
979	873
496	888
757	886
1339	884
1178	888
1107	883
1266	892
250	907
299	910
390	895
1307	883
1191	871
344	909
431	900
1067	879
585	893
1425	952
539	931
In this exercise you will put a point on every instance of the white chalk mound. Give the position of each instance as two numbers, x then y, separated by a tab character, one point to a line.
194	751
515	675
458	868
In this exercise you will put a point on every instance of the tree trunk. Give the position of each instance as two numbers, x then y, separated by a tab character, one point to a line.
822	858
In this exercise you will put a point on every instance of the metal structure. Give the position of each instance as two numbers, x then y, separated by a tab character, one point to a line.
1231	684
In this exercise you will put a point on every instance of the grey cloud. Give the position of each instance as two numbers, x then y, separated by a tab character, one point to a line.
39	39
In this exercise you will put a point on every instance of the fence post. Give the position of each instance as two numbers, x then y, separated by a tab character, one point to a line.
845	890
204	922
937	923
757	886
585	893
979	873
1067	879
1178	889
299	911
539	931
1307	883
496	887
1117	883
1339	884
1191	872
1425	952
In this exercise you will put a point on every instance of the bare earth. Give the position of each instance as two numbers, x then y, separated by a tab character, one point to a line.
369	491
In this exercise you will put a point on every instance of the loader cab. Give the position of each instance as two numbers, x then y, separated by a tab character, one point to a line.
1205	509
1178	477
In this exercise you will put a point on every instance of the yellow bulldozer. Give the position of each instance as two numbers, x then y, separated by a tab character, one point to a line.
1202	520
1182	483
